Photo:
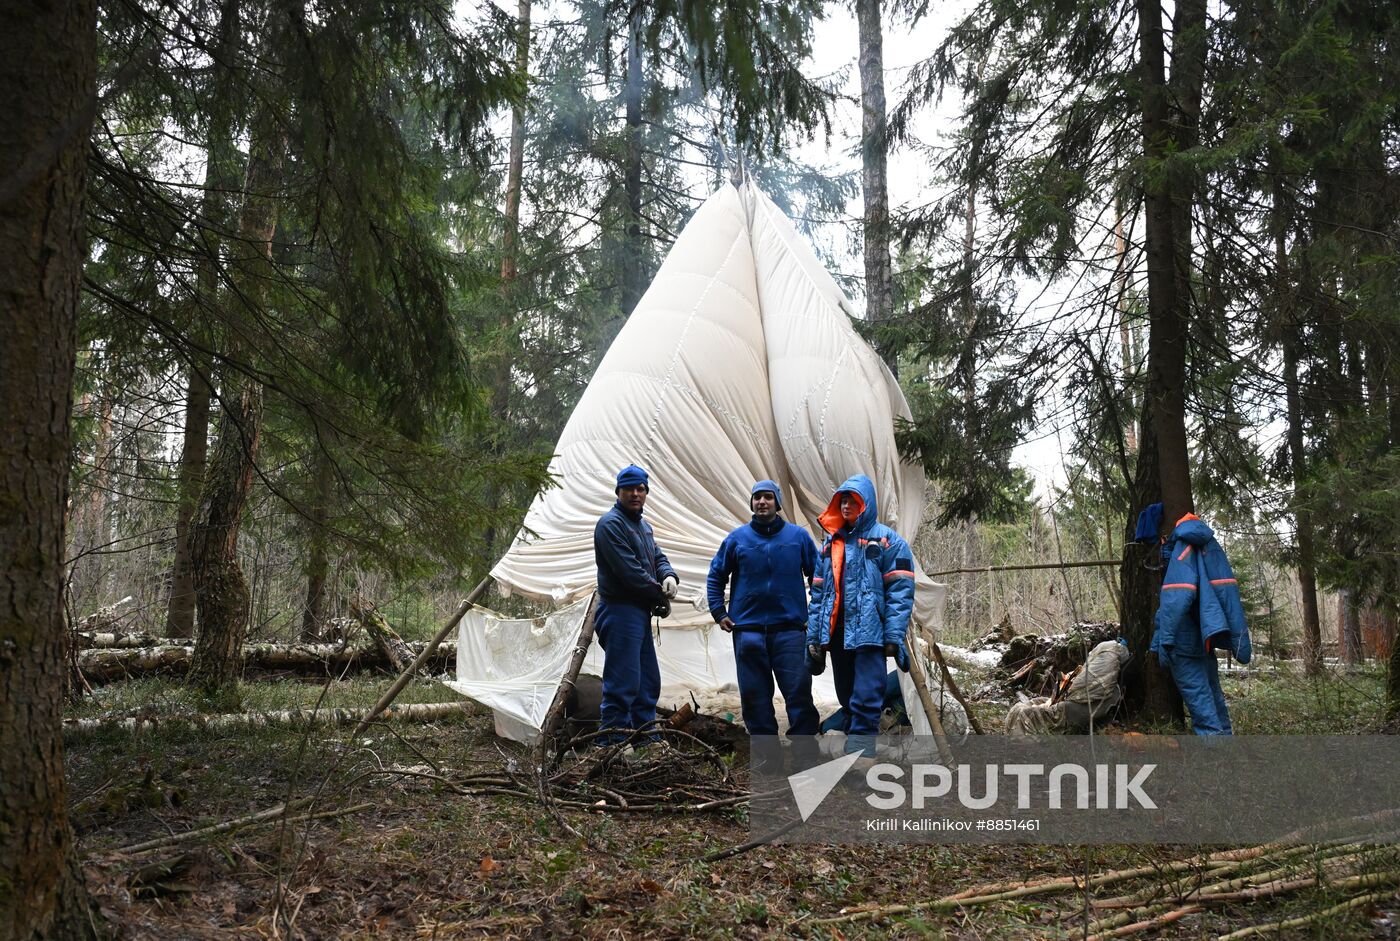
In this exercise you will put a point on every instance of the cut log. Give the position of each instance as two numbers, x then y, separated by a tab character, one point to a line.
105	665
420	712
389	644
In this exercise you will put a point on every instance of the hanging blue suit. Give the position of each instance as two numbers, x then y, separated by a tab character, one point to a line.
1199	613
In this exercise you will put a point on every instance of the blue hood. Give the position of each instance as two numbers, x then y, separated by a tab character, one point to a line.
1193	531
769	485
861	486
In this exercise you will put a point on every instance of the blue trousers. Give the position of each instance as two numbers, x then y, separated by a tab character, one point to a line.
859	676
760	657
1198	678
631	678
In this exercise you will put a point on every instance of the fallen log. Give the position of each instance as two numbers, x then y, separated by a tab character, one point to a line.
87	640
420	712
106	665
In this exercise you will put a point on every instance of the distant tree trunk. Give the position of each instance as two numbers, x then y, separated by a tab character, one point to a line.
633	285
879	277
1349	627
89	515
510	258
220	586
510	241
967	367
219	178
1307	578
1297	460
317	559
48	67
1392	680
1120	308
1149	693
179	614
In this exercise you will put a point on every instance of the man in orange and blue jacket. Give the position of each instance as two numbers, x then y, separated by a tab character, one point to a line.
1200	612
862	599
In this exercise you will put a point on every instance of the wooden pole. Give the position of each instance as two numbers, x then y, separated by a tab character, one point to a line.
916	673
422	657
1027	568
555	715
953	688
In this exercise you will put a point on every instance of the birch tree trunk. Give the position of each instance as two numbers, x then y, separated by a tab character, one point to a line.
48	65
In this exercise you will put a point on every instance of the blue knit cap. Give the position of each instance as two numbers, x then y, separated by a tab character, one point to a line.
631	476
769	485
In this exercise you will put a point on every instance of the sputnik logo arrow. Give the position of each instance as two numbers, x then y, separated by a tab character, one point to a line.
810	787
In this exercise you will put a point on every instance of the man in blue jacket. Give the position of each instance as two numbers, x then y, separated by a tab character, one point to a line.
862	599
766	565
1200	612
634	578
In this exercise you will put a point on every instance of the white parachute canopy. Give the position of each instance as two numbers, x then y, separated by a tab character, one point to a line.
739	364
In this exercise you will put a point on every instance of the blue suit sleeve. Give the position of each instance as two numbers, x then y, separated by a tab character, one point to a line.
820	576
720	568
1179	590
897	571
663	564
620	554
809	557
1227	592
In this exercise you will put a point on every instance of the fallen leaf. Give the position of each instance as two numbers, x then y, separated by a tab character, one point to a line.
822	867
651	885
769	864
488	864
715	879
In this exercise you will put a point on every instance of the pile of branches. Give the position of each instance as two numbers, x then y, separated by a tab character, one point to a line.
1162	893
1036	665
659	768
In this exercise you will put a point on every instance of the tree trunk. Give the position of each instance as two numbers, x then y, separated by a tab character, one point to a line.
879	279
1392	679
1120	308
219	178
220	586
1307	578
1349	627
501	381
1149	693
313	615
510	241
632	280
1290	327
48	65
1168	216
179	614
89	515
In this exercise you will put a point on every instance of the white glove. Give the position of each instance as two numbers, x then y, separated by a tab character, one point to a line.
669	586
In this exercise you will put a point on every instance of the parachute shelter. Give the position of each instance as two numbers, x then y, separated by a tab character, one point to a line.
739	363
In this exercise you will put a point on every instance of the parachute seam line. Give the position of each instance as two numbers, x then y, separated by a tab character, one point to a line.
668	379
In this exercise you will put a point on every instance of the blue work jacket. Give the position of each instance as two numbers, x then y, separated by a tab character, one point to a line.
766	575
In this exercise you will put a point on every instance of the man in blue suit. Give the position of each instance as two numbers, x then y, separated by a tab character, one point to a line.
766	565
634	579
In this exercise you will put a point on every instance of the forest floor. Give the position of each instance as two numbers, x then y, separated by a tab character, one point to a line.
423	861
